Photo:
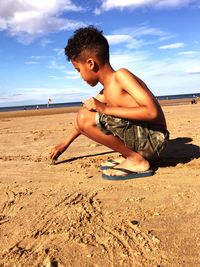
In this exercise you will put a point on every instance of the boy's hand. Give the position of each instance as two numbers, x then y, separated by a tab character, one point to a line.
57	151
94	104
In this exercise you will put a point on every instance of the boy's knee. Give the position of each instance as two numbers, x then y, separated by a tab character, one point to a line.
83	119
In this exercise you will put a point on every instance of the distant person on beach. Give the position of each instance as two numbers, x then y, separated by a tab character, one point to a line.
125	116
193	101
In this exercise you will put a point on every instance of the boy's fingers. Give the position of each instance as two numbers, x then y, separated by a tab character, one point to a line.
54	157
53	154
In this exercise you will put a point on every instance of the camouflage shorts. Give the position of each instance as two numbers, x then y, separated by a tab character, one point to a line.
147	142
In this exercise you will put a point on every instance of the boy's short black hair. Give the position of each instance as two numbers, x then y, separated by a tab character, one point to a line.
87	42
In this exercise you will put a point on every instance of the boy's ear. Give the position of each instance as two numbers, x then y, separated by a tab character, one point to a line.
91	63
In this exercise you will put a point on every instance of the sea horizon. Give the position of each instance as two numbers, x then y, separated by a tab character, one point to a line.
79	103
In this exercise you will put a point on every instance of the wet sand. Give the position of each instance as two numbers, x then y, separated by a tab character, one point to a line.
68	215
37	112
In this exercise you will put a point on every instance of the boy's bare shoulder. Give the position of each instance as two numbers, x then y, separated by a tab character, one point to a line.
127	79
122	73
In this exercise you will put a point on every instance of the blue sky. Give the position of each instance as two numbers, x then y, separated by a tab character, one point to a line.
158	40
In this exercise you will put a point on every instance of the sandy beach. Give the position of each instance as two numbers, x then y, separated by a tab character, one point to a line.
67	215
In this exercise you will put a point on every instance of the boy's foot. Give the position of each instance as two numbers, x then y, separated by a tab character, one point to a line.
134	166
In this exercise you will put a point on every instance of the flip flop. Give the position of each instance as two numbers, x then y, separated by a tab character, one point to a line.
128	175
104	167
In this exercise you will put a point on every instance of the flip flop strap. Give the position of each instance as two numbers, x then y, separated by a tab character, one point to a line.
123	170
128	171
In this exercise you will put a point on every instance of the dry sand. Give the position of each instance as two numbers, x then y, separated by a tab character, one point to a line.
67	215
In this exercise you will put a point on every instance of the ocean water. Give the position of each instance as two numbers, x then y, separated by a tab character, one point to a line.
40	106
73	104
183	96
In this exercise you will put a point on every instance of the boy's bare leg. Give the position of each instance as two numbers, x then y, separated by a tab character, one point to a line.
133	161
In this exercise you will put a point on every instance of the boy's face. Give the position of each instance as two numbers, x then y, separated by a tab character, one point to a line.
86	70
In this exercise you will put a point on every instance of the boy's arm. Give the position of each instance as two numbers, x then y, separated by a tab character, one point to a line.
59	149
146	108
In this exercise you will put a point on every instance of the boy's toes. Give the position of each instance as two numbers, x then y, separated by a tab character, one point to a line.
112	172
109	163
112	162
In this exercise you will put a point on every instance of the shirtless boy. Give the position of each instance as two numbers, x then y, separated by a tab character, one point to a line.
124	116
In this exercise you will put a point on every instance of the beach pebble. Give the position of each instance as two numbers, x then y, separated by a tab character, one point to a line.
155	240
156	214
93	145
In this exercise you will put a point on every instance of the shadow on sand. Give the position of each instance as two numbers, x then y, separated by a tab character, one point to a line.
84	156
179	150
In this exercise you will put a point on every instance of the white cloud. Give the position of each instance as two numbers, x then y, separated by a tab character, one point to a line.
59	51
54	77
55	65
129	41
194	70
72	74
28	19
118	38
44	42
135	37
31	62
173	3
188	53
132	4
145	30
122	59
69	75
41	57
172	46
